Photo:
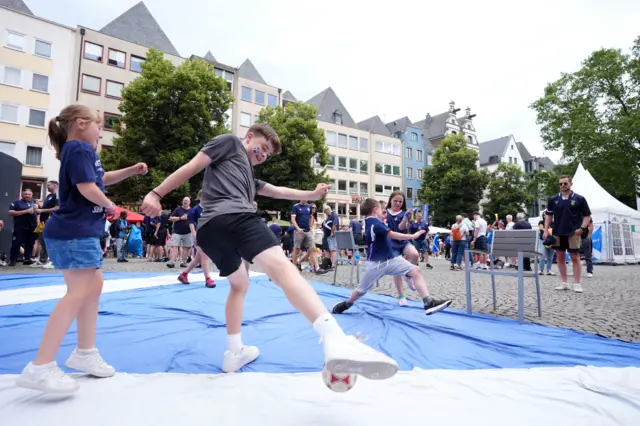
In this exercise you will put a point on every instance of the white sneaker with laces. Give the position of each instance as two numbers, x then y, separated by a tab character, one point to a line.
589	275
563	286
90	362
46	378
235	361
577	288
347	354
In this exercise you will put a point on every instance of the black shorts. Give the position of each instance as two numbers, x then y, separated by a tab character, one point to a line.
160	240
229	238
149	237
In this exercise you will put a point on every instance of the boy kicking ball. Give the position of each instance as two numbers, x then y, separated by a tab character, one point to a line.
381	262
229	232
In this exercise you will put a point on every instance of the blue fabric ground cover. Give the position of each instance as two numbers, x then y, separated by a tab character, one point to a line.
15	281
181	329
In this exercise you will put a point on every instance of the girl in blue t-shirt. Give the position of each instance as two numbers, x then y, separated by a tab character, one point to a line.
398	221
72	236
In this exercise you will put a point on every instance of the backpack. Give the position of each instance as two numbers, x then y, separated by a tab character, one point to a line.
112	229
456	234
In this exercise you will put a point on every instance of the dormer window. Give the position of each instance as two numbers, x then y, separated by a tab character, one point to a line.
337	117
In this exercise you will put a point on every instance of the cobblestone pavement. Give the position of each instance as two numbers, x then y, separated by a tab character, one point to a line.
609	306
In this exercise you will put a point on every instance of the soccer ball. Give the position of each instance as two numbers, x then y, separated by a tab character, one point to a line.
338	382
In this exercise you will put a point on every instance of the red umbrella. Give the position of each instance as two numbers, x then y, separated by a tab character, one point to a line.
132	217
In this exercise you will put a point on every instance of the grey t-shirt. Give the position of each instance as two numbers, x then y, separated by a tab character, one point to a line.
229	185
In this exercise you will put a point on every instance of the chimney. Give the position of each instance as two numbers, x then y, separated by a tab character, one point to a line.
427	122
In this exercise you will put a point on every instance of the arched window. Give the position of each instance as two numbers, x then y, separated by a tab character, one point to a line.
470	139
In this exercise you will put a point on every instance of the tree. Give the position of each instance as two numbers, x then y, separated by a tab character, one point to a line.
544	183
507	191
453	184
169	113
302	141
593	116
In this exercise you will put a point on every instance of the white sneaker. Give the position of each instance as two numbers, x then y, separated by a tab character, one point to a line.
235	361
48	265
551	273
46	378
402	301
346	354
589	275
563	286
577	288
91	363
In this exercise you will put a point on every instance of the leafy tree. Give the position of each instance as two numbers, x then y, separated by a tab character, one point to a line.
507	191
544	183
302	141
453	184
593	116
169	113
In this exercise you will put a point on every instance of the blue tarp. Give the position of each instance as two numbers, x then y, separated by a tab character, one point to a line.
16	281
180	328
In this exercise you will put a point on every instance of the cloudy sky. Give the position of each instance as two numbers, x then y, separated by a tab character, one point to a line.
396	58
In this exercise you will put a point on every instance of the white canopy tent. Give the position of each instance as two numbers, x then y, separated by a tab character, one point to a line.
616	235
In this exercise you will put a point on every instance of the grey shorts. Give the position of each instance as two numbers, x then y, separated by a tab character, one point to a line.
304	241
181	240
373	271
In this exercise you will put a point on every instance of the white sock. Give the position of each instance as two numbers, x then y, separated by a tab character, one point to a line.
86	351
327	325
235	342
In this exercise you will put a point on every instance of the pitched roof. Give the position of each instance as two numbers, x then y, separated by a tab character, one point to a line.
327	103
433	127
138	26
546	163
374	125
399	125
17	5
209	57
495	147
288	96
524	152
248	70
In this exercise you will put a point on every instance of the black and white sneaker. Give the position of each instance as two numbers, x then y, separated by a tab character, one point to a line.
341	307
435	305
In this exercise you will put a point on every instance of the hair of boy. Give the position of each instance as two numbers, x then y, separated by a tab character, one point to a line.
267	132
404	199
60	125
368	206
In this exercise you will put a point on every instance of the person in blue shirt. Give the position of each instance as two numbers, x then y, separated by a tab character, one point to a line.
121	232
383	260
302	221
200	258
72	235
421	243
571	216
49	205
330	225
356	229
275	228
25	219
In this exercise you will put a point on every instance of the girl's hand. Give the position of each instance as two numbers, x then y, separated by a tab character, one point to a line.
151	205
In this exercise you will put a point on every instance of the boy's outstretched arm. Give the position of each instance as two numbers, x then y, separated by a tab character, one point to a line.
284	193
400	236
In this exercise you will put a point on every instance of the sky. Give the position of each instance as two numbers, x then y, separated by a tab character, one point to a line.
393	59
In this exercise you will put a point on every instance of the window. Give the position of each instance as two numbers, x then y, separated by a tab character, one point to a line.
364	166
7	148
256	118
396	170
396	188
272	100
259	97
136	63
409	153
353	142
414	137
245	119
114	89
34	156
91	84
397	150
410	193
43	49
40	83
342	186
111	121
36	186
511	147
419	154
227	76
379	168
364	144
470	139
342	163
36	118
353	165
337	117
510	159
419	173
364	188
342	140
117	58
388	148
15	40
247	94
331	138
353	187
12	76
332	162
9	113
93	51
409	172
387	169
379	189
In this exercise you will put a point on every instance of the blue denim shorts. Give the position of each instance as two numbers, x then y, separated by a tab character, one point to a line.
80	253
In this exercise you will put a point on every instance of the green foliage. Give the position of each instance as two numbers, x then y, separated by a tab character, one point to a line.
169	113
453	184
544	183
593	116
508	191
301	140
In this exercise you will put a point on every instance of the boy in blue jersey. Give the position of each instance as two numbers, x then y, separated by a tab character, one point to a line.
382	260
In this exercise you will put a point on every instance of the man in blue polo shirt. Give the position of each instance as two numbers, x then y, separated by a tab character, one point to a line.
571	216
303	238
25	219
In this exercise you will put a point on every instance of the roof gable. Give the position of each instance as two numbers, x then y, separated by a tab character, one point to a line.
374	125
138	26
248	70
399	125
209	57
17	5
328	103
524	152
288	96
434	126
495	147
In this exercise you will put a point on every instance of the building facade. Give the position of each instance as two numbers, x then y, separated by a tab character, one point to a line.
436	128
252	94
35	63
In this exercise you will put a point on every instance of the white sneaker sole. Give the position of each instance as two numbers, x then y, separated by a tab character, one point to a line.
438	308
226	370
373	370
78	367
33	386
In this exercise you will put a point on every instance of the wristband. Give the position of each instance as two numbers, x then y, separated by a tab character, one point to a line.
158	195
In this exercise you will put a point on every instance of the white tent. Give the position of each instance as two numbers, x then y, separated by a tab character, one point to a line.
616	236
